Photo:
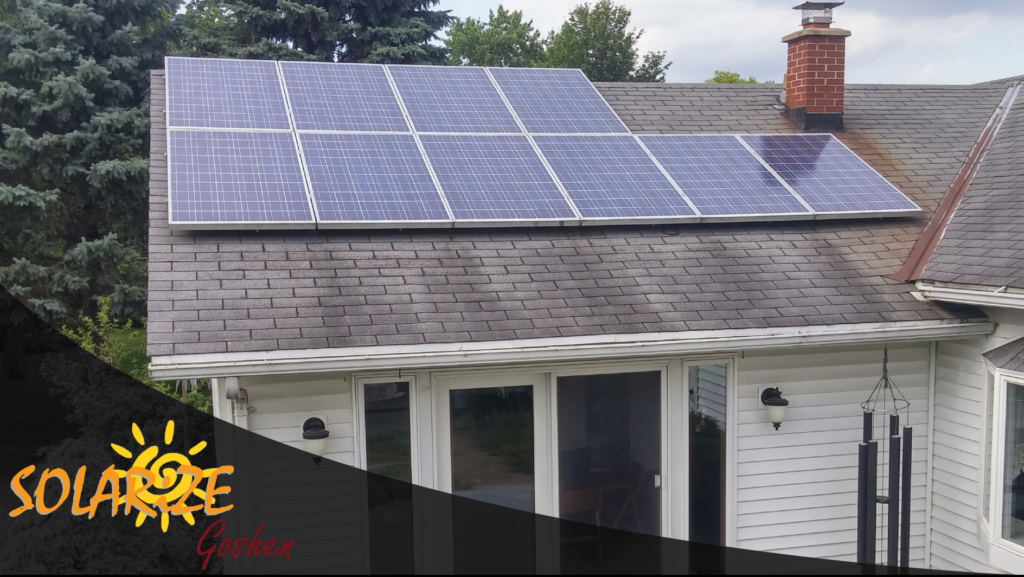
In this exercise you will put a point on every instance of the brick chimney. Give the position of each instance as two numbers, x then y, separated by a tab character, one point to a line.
815	73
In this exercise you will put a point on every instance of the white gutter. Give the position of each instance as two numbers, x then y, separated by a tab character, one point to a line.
555	349
981	296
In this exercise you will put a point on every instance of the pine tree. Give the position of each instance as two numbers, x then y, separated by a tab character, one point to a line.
74	91
386	31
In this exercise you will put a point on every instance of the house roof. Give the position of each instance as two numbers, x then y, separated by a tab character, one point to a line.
1009	356
983	244
215	292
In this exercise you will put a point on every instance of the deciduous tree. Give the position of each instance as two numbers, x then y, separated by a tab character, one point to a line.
504	40
597	40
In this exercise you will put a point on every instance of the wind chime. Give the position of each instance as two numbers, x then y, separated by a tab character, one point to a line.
885	400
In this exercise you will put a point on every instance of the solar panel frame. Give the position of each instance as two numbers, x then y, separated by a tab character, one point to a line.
494	117
343	79
252	224
726	146
561	149
821	208
457	186
268	108
522	102
317	166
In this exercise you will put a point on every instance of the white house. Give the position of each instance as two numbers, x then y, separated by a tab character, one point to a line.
518	364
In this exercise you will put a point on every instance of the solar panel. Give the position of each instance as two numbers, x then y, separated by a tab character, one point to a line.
452	99
219	177
557	101
215	93
721	177
828	175
352	97
494	178
610	177
370	177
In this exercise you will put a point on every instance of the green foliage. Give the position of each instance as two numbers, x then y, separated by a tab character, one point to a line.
596	40
122	345
504	40
74	88
386	31
727	77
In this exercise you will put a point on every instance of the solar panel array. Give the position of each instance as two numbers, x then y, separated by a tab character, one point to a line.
257	144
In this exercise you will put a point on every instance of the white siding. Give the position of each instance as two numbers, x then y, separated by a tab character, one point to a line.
708	383
797	487
278	406
956	467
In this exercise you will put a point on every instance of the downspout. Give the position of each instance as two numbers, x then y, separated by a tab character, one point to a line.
916	262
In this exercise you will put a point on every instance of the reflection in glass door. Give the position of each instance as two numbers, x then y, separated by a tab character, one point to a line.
492	445
707	388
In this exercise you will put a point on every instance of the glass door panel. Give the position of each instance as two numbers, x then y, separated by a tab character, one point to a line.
609	472
492	445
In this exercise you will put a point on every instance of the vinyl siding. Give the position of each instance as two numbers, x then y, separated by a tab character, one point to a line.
797	487
958	447
278	406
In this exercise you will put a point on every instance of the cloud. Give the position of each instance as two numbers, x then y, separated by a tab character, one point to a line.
947	41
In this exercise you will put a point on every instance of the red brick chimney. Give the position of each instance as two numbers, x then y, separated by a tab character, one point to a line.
815	73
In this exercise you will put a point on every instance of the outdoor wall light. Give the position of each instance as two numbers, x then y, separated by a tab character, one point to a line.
314	438
775	405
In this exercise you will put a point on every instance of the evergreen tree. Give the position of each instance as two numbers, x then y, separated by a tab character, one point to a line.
504	40
386	31
595	39
74	89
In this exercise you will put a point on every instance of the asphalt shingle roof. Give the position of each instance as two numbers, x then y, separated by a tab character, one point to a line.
263	291
984	242
1009	356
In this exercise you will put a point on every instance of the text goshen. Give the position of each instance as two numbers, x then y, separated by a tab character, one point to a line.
267	550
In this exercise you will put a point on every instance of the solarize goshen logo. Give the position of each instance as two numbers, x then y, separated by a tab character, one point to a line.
154	483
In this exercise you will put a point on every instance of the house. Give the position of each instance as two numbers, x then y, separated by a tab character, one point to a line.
621	348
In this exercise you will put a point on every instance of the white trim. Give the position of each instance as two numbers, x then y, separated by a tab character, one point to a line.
981	296
1002	553
538	350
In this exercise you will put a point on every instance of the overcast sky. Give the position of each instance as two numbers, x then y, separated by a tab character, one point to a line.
894	41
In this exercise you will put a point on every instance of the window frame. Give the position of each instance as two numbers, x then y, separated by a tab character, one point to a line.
1002	553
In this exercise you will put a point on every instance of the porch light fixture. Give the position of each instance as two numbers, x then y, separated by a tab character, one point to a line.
773	402
314	438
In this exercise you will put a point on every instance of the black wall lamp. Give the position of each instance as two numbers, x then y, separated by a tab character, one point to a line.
773	402
314	438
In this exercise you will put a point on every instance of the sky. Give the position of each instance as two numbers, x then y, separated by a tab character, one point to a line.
892	42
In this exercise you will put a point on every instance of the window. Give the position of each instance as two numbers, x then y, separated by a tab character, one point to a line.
1001	510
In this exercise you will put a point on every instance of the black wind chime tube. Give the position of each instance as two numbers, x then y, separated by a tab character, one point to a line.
908	448
871	509
863	495
862	503
895	464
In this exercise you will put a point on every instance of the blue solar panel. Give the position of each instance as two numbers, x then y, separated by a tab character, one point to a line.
236	177
557	101
494	178
353	97
612	177
370	177
452	99
826	174
721	177
215	93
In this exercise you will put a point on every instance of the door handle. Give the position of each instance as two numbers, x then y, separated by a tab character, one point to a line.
657	481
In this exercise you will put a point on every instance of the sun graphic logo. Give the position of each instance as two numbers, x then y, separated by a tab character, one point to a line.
154	483
168	487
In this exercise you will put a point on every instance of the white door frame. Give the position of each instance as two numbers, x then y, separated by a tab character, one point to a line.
542	470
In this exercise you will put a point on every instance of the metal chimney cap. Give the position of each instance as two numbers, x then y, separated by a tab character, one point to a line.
817	12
